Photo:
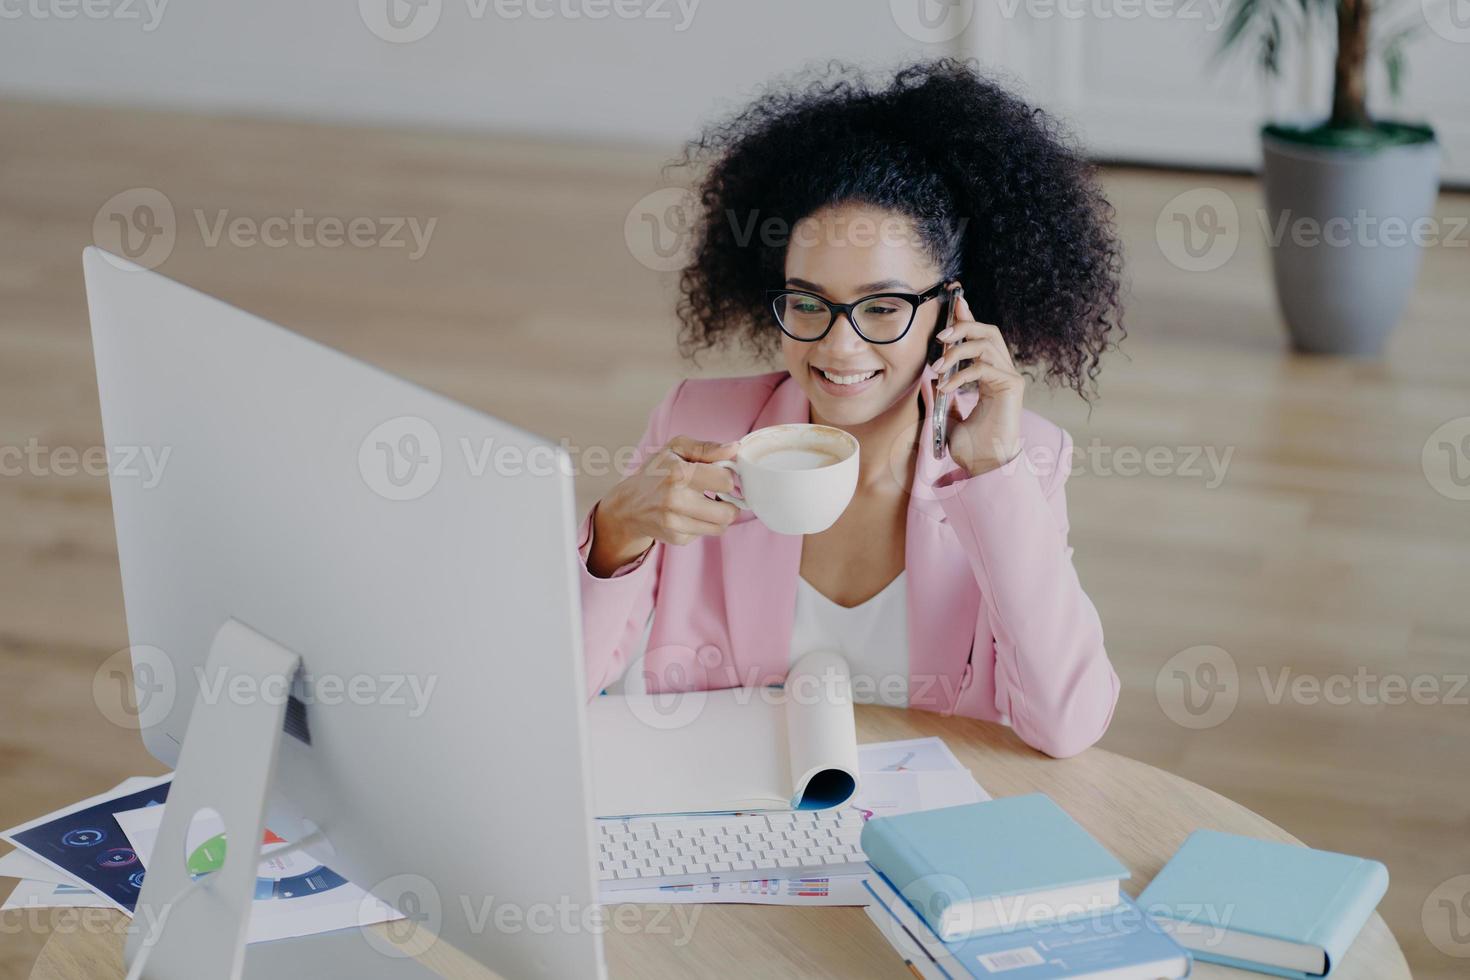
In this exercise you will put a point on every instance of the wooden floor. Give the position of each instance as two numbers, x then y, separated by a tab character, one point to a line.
1322	551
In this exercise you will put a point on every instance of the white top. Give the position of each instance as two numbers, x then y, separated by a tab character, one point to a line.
872	638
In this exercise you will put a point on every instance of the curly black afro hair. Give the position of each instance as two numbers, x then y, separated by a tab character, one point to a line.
996	196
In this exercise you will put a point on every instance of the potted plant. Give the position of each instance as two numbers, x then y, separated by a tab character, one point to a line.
1349	199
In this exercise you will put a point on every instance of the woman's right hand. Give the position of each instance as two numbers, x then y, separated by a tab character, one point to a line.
663	501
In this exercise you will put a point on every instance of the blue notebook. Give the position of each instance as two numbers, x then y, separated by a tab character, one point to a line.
1260	905
995	866
1120	944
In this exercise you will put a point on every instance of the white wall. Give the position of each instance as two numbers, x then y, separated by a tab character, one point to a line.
485	63
1136	85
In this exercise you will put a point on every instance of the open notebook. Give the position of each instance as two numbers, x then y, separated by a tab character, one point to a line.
792	747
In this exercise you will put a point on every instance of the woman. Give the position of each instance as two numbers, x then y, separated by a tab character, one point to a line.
947	583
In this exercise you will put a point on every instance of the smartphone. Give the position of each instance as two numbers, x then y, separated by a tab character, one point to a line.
941	401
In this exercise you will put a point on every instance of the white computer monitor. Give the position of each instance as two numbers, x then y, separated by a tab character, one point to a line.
388	537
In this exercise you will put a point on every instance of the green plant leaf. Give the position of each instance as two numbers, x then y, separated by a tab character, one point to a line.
1395	58
1266	23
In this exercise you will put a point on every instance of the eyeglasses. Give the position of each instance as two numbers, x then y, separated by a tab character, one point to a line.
882	318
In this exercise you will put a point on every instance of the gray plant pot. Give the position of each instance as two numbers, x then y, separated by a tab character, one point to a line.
1344	246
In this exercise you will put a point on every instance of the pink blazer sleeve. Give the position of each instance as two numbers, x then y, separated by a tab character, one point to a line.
615	609
1052	675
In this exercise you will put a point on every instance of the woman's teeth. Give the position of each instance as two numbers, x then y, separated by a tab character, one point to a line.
847	379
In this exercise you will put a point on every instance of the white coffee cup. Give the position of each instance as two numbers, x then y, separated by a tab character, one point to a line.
796	478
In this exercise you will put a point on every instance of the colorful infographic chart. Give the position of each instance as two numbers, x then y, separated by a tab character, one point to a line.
90	845
291	876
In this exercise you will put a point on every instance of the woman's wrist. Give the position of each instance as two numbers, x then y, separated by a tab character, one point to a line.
986	459
612	548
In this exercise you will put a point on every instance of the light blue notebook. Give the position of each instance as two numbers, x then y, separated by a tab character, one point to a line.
1261	905
994	866
1120	944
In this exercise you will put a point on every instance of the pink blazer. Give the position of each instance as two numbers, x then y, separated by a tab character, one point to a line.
998	625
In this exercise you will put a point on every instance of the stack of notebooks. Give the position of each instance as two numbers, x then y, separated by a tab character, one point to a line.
1011	886
1015	886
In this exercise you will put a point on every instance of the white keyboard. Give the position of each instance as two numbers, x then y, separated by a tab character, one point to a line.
644	852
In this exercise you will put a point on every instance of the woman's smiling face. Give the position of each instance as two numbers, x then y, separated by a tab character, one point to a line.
843	253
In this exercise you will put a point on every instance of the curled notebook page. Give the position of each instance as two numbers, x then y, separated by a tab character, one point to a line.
821	733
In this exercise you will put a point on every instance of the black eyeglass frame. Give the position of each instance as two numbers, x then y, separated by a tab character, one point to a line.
915	300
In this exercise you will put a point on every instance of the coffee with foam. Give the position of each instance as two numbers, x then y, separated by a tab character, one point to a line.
796	459
797	446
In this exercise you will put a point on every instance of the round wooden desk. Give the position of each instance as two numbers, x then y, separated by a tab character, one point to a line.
1140	813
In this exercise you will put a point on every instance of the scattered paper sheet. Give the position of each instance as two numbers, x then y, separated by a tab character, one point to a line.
84	843
89	847
22	864
914	754
42	885
294	895
32	894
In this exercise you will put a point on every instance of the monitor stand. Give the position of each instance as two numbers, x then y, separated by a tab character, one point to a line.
188	930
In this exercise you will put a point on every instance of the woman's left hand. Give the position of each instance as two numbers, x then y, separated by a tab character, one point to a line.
991	436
